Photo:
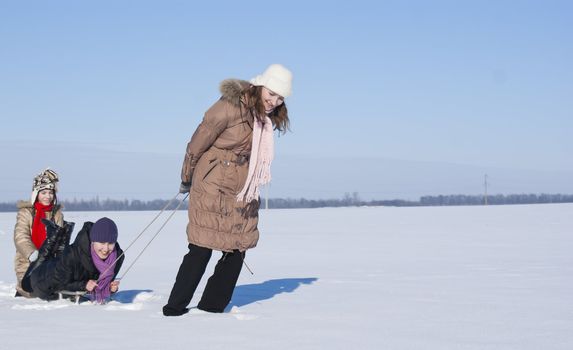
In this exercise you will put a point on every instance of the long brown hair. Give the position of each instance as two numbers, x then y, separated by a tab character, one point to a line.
254	104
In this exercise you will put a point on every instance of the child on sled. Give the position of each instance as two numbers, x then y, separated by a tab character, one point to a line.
89	264
30	231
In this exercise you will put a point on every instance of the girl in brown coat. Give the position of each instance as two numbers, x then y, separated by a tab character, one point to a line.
30	232
226	161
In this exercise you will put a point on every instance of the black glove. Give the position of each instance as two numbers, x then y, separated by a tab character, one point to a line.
184	187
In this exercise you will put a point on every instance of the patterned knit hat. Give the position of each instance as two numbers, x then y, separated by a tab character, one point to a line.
46	180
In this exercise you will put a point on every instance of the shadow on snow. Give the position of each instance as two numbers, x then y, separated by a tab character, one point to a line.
252	293
128	296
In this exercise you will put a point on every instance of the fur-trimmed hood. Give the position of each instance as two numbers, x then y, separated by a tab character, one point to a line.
24	204
231	90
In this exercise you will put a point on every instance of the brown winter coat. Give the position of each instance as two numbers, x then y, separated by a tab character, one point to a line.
217	162
23	238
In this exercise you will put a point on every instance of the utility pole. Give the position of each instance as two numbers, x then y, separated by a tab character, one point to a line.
485	187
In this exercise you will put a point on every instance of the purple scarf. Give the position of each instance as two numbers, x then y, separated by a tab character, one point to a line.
102	291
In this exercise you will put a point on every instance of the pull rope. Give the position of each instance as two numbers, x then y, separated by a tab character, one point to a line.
145	229
155	235
247	266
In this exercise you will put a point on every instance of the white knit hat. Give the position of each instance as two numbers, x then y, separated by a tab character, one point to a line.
276	78
46	180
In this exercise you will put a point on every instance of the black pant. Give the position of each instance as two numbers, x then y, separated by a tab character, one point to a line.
220	285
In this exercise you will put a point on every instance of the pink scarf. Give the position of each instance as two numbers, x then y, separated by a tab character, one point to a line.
262	153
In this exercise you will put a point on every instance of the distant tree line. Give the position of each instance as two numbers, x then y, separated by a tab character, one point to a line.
497	199
349	200
97	204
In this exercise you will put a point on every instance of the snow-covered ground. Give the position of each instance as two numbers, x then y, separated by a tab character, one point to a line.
496	277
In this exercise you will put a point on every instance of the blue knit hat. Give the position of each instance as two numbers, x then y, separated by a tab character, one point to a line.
104	230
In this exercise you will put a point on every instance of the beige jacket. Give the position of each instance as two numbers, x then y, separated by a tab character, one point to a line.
216	163
23	238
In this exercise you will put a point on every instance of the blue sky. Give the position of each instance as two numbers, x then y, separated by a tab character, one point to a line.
474	83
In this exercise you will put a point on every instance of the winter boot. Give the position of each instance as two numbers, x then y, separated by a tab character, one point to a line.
46	251
64	235
170	312
48	247
26	284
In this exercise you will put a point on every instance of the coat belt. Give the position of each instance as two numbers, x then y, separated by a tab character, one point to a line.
227	156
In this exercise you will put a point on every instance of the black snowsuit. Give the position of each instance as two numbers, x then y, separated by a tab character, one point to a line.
70	271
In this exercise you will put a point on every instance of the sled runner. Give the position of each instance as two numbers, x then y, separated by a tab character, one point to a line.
72	295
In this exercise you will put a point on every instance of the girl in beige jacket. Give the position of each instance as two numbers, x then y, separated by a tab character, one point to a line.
30	232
